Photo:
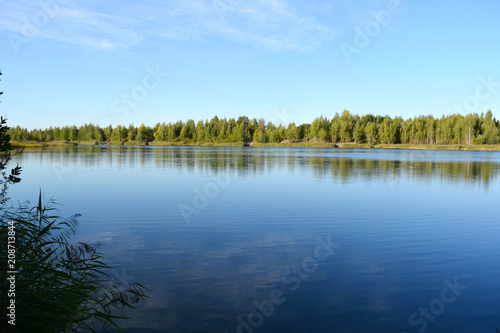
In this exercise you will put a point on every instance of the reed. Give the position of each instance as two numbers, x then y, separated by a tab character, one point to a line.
60	286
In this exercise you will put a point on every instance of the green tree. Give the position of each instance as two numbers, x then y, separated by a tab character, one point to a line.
259	136
335	128
73	133
320	123
406	131
132	133
240	132
359	132
490	131
56	133
346	126
275	134
6	178
98	134
119	133
190	128
161	133
471	126
389	131
183	134
323	135
107	132
251	127
64	134
213	129
221	130
292	132
145	134
231	124
200	131
371	132
432	127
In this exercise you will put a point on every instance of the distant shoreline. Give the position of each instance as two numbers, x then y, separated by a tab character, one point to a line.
35	144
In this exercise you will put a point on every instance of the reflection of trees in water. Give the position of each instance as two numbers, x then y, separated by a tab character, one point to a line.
349	170
242	161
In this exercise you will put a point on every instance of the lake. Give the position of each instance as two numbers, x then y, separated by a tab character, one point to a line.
242	239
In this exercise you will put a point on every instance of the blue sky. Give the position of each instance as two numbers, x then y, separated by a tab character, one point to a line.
70	62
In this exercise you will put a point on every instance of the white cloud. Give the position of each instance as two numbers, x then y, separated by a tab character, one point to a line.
274	24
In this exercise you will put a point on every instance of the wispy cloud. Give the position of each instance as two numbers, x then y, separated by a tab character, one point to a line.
95	29
273	24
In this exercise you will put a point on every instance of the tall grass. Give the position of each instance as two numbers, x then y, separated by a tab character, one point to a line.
60	286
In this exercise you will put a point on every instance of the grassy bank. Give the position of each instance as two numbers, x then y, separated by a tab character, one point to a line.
36	144
316	144
442	147
379	146
202	144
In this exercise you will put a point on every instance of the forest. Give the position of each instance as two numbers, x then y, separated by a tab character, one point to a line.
471	129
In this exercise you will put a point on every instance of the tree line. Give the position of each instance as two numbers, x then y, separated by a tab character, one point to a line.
342	128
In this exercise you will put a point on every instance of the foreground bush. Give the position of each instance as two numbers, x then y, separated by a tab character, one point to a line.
59	286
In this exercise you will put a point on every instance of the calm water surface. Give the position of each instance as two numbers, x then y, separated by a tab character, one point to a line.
342	240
